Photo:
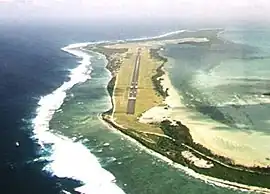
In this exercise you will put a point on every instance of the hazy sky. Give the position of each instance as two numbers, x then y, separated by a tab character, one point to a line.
96	9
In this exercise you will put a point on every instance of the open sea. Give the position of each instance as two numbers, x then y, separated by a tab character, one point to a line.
52	140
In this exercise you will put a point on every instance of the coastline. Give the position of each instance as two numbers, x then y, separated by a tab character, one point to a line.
170	147
56	144
198	128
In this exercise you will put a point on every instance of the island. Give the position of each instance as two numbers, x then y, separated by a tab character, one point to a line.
139	78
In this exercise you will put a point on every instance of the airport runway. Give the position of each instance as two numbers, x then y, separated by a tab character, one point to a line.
134	85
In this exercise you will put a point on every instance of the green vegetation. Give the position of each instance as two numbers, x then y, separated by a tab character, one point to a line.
112	55
110	88
182	137
159	72
107	51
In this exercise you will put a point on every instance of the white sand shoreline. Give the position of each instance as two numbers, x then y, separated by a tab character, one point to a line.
242	147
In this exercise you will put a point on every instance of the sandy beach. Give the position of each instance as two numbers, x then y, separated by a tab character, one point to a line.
242	147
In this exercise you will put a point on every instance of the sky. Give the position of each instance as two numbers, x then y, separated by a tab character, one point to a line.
138	9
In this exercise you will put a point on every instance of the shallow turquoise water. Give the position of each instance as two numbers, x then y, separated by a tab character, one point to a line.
226	83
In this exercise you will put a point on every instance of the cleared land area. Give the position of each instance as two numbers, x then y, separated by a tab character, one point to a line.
147	97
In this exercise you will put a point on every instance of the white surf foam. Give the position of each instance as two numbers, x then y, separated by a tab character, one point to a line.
68	158
74	160
158	36
84	44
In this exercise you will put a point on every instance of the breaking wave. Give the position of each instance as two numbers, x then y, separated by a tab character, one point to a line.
78	163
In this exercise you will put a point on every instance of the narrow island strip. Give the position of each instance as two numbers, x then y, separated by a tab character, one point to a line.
154	97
